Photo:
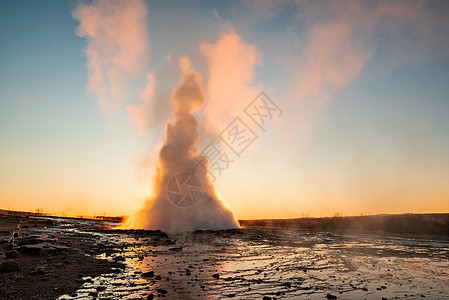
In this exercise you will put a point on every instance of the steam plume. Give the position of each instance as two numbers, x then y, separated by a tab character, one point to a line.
117	46
185	199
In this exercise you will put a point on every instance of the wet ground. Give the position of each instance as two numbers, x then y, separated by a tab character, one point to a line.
254	263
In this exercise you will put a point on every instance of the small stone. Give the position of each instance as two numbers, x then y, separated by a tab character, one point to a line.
148	274
119	258
330	296
365	289
216	276
231	295
40	270
100	288
266	298
158	277
150	296
60	248
9	266
175	249
12	254
162	291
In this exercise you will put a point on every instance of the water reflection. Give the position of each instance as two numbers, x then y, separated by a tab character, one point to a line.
252	263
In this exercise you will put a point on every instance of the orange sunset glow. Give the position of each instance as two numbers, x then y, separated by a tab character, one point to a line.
354	119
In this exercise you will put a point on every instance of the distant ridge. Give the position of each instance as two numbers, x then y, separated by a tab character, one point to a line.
422	224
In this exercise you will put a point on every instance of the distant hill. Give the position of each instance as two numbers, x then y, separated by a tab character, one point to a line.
427	224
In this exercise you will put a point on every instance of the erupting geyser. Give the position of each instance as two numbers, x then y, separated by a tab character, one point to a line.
185	199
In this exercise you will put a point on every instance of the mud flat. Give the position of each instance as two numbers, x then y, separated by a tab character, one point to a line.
249	263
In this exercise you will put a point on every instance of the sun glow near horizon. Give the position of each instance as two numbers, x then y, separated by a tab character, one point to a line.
362	94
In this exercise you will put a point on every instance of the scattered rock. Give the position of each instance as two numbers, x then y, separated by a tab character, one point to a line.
40	270
148	274
34	249
100	288
162	291
266	298
216	276
36	239
150	296
158	277
330	296
9	266
365	289
12	254
231	295
175	249
60	248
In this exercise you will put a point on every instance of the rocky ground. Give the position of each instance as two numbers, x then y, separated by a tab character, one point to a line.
85	259
36	265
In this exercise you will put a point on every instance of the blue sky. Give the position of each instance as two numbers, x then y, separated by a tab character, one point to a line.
373	141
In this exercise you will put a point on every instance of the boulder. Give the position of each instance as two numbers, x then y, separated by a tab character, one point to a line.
12	254
9	266
148	274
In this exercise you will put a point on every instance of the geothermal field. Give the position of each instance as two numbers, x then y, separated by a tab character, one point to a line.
215	149
61	258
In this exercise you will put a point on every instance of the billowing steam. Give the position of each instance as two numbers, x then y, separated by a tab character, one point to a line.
117	51
185	199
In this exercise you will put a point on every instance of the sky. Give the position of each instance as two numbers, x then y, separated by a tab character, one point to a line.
358	91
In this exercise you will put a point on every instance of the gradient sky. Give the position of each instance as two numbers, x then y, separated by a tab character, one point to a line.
363	85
